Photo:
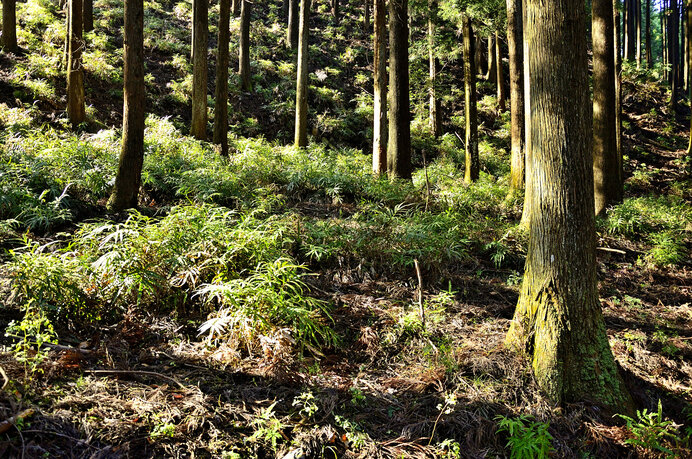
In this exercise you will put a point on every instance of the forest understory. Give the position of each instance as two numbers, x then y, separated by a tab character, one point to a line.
285	302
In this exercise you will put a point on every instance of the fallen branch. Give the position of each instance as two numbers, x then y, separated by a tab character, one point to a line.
135	372
8	423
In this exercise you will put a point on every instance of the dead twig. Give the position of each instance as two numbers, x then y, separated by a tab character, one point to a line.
8	423
136	372
420	293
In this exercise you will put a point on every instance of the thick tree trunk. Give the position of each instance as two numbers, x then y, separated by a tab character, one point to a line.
638	30
501	96
199	68
492	65
558	320
631	29
9	26
472	166
379	143
689	63
618	86
528	173
292	32
516	92
88	15
244	60
399	143
75	74
301	134
647	36
434	65
221	92
129	175
607	186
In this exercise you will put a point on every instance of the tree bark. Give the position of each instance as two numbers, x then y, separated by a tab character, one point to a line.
335	10
673	56
379	144
528	173
244	58
434	65
9	26
399	142
501	102
638	30
75	74
88	15
68	35
663	17
558	320
366	17
292	33
689	63
129	175
235	7
647	36
607	186
618	86
199	68
630	29
492	65
516	92
221	91
479	56
472	166
301	134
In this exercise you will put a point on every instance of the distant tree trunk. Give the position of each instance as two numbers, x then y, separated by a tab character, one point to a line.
528	173
129	175
516	91
221	93
647	38
492	65
68	34
472	166
335	10
618	86
292	32
75	75
366	16
631	29
88	15
199	68
284	9
434	104
479	56
9	26
673	46
663	17
607	186
558	321
235	7
244	64
301	134
399	144
500	74
689	63
638	30
379	144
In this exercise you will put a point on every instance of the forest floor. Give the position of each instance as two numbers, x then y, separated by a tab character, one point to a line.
305	265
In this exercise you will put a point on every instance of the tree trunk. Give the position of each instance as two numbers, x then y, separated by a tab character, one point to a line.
638	30
244	69
479	56
501	102
284	9
528	173
618	86
631	29
607	186
472	166
492	65
9	26
75	75
647	36
664	39
221	93
558	320
292	33
301	134
235	7
335	10
68	34
516	92
199	68
673	45
434	65
399	144
129	175
366	17
379	144
689	63
88	15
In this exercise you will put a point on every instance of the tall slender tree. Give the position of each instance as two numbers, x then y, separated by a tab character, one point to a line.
607	186
500	74
434	66
528	173
75	73
638	30
129	175
399	138
689	62
221	91
379	143
8	40
293	19
673	53
492	69
472	166
244	58
235	7
647	35
88	15
558	321
516	91
618	85
301	133
366	16
199	69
